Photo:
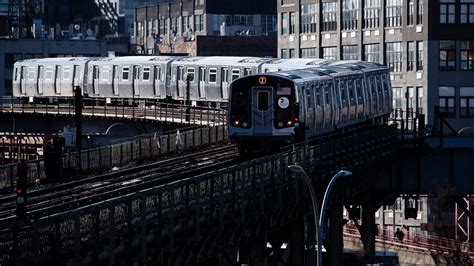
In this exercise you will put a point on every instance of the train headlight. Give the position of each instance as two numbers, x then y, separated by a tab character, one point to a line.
280	124
245	124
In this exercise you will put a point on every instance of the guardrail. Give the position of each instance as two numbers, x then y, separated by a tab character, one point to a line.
138	148
416	240
144	110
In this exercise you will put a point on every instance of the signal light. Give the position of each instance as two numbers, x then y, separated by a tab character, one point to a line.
236	123
19	190
297	119
289	123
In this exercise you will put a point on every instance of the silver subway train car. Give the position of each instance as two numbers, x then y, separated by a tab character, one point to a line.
271	109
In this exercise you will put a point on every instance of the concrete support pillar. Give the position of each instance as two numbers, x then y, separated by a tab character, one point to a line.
257	251
368	232
297	243
244	252
336	236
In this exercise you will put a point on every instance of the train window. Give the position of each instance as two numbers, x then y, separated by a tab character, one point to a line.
358	89
309	101
262	99
235	74
191	74
180	73
212	75
48	75
342	87
66	73
31	74
105	73
125	73
327	87
350	88
247	71
318	95
146	73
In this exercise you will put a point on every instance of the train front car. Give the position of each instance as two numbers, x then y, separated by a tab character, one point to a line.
263	113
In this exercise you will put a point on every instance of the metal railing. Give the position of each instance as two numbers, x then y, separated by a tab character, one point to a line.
144	110
138	148
417	240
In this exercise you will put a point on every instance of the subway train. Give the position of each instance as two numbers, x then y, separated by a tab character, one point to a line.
269	110
159	78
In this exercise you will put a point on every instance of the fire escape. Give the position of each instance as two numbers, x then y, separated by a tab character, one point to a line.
19	19
110	12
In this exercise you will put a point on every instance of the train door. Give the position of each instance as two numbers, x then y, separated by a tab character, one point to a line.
360	97
57	80
309	114
318	108
190	78
202	82
95	80
115	80
328	109
372	95
180	82
157	81
224	82
22	80
40	79
336	101
262	110
146	88
75	76
136	81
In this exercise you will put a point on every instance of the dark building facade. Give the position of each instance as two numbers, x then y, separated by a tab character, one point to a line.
425	43
175	27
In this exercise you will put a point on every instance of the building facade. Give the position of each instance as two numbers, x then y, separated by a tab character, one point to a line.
423	42
175	27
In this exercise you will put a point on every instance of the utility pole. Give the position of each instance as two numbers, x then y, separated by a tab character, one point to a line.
78	123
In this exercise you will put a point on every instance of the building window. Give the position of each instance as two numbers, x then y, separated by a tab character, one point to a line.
292	22
447	55
446	101
467	11
411	56
350	14
268	23
394	55
419	57
372	53
447	11
350	52
330	53
284	53
371	14
308	18
329	16
394	13
467	55
292	53
397	98
308	52
198	23
419	101
284	23
411	12
466	102
419	19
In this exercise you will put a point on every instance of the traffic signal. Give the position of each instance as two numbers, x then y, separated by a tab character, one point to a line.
21	189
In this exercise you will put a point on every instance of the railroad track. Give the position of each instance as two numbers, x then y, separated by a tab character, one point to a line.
71	195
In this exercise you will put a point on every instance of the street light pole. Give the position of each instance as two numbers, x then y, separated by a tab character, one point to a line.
319	225
298	169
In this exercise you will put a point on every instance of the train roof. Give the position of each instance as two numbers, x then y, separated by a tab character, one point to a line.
221	60
333	69
133	59
55	60
298	62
